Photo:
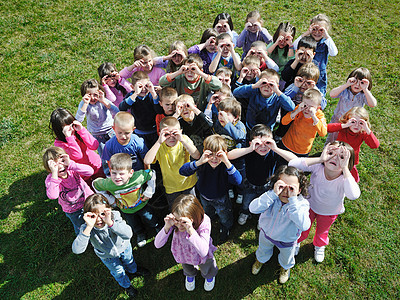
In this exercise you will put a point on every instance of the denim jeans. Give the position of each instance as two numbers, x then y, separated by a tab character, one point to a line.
76	219
250	193
119	265
220	206
102	139
143	216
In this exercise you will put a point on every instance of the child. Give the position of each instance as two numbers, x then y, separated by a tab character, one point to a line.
265	99
259	49
223	24
167	98
191	241
144	62
127	187
110	237
330	182
77	142
190	79
355	92
125	141
318	30
206	48
354	129
115	86
284	215
308	120
253	31
172	150
226	55
172	62
213	180
224	75
214	99
142	102
65	183
99	111
260	163
194	123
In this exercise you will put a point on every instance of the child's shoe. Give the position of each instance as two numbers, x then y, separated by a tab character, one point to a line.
140	271
141	240
243	219
319	254
284	275
209	284
239	199
190	283
131	291
223	235
297	249
255	269
231	194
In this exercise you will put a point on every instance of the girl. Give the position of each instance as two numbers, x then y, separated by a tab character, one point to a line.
253	31
191	242
354	129
115	86
206	48
173	61
330	182
110	237
318	29
65	183
223	23
144	62
284	215
77	142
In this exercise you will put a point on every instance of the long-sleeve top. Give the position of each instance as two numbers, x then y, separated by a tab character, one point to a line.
301	134
154	75
82	152
198	88
226	62
327	196
233	133
108	242
99	118
279	57
205	56
115	95
279	221
193	249
288	74
347	100
354	139
297	96
212	182
198	129
246	38
262	110
71	191
260	168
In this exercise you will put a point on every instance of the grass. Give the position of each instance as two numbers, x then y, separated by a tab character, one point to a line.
49	47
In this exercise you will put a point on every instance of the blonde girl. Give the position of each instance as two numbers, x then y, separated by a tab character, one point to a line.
173	61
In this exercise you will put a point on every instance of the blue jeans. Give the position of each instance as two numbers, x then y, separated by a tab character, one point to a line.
102	139
144	215
119	265
76	219
220	206
250	193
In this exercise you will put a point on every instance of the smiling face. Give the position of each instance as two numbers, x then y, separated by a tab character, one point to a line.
147	62
94	95
286	37
356	125
62	168
222	26
214	160
292	182
263	149
253	20
179	223
111	80
356	87
190	75
318	30
99	211
186	113
120	177
309	104
306	54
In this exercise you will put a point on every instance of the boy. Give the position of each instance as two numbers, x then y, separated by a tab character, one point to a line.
259	50
224	75
225	55
213	180
214	99
194	123
168	96
265	99
126	142
126	185
172	150
260	163
190	79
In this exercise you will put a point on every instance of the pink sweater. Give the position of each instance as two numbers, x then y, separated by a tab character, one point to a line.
154	75
116	96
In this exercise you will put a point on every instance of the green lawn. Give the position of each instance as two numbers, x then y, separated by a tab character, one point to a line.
48	48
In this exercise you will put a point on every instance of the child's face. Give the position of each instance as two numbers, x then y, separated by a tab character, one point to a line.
264	148
222	26
286	38
177	58
309	104
253	20
224	79
144	90
186	113
306	84
190	75
356	125
147	62
211	46
121	177
225	117
168	105
111	79
257	53
62	167
266	89
356	88
171	139
318	30
123	133
94	95
253	71
306	54
99	211
218	98
333	164
179	223
214	160
223	43
292	185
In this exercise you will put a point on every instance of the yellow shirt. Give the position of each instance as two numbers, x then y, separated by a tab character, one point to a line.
171	160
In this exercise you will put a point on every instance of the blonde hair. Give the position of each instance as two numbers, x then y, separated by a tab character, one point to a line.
231	105
322	18
169	122
51	153
139	75
251	60
224	89
356	111
214	143
314	95
120	161
226	71
167	92
123	118
270	73
143	51
184	97
255	14
310	71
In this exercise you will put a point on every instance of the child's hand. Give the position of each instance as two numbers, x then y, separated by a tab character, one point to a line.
255	143
106	216
262	54
274	86
214	99
298	56
309	30
293	190
190	105
221	154
289	40
183	69
144	199
77	125
344	157
138	87
90	219
258	84
298	81
150	87
270	143
53	166
312	110
251	52
324	32
248	26
179	108
86	98
364	126
364	84
104	80
177	133
205	157
195	68
169	222
68	130
351	81
243	72
101	96
138	64
210	41
350	122
279	186
187	223
302	106
164	133
65	160
328	152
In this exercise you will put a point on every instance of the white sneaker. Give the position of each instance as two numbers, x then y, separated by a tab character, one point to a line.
239	199
231	194
209	285
319	254
243	219
284	275
297	249
190	285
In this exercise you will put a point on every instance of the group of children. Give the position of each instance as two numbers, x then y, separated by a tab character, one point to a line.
208	120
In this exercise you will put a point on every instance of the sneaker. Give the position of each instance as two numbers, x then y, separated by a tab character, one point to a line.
223	235
319	254
239	199
141	240
209	284
190	283
140	271
284	275
243	219
131	291
231	194
297	249
255	269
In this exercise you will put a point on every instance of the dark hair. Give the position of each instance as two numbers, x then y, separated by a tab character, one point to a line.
90	84
58	119
283	27
106	69
260	130
223	16
93	200
348	147
307	42
360	74
190	207
177	45
209	32
290	171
